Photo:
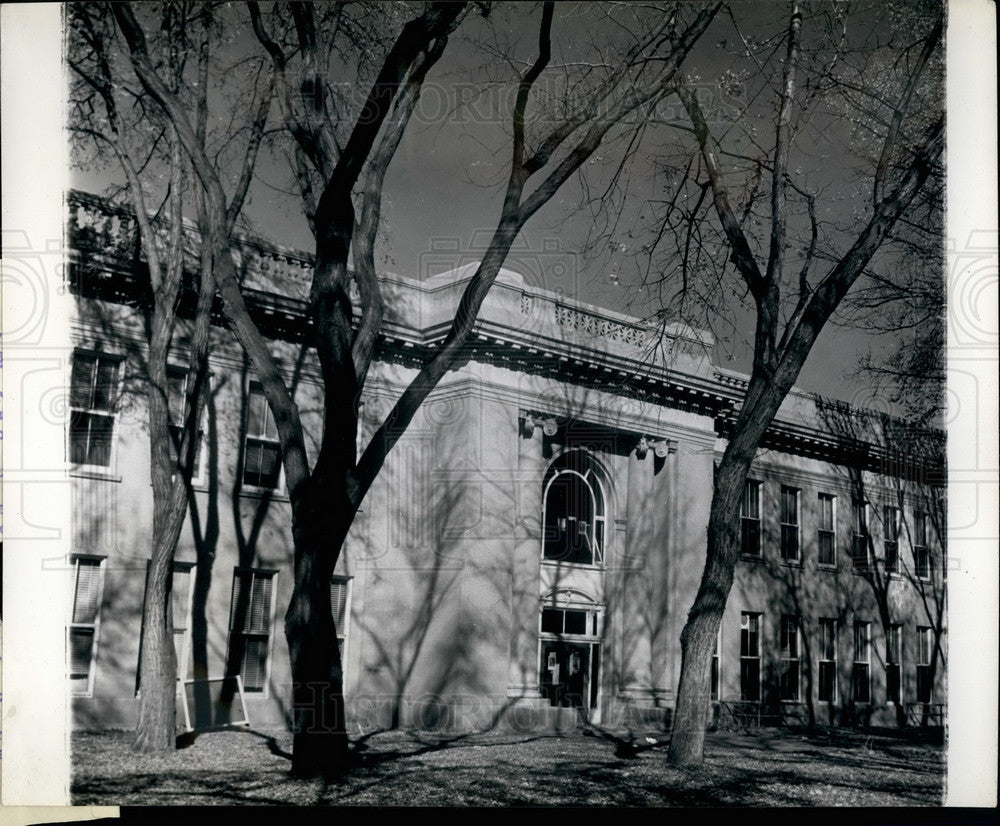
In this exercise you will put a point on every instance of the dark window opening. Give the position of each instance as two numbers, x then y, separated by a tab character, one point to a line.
574	513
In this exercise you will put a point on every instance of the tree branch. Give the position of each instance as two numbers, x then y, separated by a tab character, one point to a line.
742	255
285	411
901	108
372	308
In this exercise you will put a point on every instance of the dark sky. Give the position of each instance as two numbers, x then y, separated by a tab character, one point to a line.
445	184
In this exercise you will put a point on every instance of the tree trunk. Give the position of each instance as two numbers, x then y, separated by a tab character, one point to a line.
156	727
320	745
763	397
687	742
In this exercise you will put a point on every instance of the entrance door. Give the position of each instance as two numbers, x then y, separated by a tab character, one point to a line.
569	673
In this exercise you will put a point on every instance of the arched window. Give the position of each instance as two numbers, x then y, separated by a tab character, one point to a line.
574	511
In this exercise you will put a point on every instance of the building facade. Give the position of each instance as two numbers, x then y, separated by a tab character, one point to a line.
528	556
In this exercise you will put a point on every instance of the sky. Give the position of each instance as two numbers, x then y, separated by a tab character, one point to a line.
444	187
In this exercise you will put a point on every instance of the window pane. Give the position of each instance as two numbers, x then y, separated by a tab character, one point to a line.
82	381
789	637
176	386
260	422
891	522
106	386
827	682
790	680
749	638
860	552
576	622
262	464
338	603
254	669
552	619
81	646
257	409
569	518
826	548
99	447
789	505
750	536
891	556
861	641
789	542
892	683
88	580
925	642
828	639
861	691
924	684
751	500
79	437
922	562
179	598
825	512
750	679
860	517
259	614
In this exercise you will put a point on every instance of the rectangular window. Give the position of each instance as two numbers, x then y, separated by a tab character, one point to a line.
569	621
925	650
714	685
82	634
262	449
893	663
177	388
93	392
827	529
828	660
790	662
340	604
921	553
861	690
180	617
789	524
750	519
250	626
750	656
890	529
859	547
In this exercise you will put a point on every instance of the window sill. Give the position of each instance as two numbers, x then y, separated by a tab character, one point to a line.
585	566
827	566
91	472
791	563
273	494
758	558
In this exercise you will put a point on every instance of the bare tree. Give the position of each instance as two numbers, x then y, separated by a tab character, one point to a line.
757	209
326	494
109	117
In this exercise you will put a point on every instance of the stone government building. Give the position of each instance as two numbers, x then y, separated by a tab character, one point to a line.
536	539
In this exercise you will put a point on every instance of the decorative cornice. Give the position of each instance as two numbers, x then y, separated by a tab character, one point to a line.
605	351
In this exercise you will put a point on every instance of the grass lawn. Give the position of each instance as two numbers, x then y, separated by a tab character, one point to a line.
768	767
